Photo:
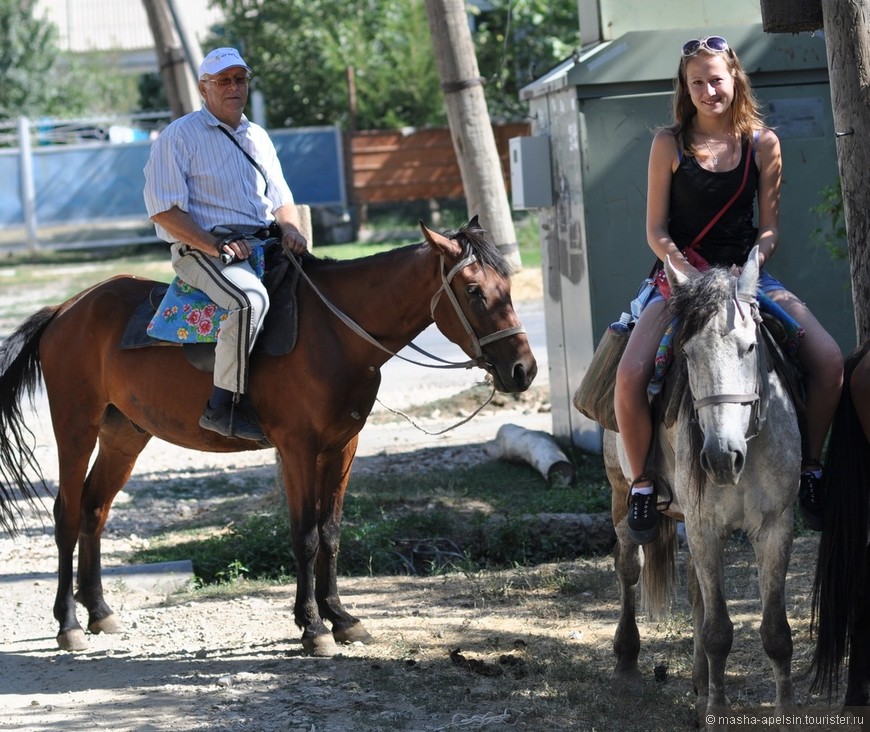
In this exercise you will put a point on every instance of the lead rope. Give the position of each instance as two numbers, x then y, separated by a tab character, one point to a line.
411	421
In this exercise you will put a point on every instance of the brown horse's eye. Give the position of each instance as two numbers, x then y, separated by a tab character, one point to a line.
475	293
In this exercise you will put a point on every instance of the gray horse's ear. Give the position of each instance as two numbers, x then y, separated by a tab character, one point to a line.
675	277
747	284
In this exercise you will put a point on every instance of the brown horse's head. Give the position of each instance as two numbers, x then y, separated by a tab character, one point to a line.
473	307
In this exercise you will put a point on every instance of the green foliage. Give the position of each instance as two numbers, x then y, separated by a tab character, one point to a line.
39	80
28	54
152	93
832	234
301	52
516	42
442	521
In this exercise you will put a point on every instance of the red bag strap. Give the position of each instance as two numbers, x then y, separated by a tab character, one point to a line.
733	198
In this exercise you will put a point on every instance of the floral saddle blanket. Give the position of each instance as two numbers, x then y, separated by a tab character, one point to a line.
179	314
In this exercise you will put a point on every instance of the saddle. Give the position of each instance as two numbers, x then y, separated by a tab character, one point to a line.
280	328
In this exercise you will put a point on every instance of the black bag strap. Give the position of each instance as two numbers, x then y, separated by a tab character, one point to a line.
250	159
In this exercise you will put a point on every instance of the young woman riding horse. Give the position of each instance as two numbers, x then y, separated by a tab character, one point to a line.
726	456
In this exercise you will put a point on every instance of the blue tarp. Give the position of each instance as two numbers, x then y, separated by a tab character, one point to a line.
102	181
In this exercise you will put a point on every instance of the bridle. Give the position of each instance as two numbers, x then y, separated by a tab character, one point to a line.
758	398
476	342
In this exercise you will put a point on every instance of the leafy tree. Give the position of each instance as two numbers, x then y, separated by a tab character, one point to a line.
301	51
28	53
516	42
40	80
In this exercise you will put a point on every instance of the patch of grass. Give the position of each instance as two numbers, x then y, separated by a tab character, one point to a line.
468	518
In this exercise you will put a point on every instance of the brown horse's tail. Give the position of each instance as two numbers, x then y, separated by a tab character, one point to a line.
843	567
658	579
20	375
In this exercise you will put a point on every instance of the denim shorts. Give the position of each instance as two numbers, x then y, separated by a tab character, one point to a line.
766	283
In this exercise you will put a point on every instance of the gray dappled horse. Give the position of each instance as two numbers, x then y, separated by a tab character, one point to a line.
730	459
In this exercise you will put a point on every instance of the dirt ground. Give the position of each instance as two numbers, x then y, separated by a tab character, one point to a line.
528	648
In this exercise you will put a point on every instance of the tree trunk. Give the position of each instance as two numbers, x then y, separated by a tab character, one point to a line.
470	125
182	91
847	37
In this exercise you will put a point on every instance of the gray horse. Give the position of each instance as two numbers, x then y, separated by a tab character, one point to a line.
727	455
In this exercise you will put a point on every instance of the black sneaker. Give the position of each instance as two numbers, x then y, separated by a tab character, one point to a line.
643	517
230	422
810	501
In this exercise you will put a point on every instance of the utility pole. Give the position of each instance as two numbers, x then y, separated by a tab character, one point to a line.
179	79
470	125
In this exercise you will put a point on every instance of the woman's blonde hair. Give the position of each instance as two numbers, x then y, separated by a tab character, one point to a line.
745	110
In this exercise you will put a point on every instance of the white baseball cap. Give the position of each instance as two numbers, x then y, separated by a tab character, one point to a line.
219	60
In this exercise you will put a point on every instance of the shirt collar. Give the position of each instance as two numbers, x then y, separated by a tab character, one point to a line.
213	121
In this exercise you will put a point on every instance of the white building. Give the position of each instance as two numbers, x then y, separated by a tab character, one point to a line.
121	26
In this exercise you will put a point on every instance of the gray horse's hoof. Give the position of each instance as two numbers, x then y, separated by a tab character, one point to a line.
322	646
352	634
108	624
72	640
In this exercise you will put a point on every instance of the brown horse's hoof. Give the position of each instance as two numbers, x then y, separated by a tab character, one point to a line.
321	646
72	640
108	624
627	683
352	634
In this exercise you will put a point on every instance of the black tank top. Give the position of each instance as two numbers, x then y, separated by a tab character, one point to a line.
697	195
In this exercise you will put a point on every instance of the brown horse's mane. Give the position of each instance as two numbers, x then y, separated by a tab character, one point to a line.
471	238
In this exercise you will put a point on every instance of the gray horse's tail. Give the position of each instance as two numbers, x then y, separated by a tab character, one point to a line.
658	579
20	375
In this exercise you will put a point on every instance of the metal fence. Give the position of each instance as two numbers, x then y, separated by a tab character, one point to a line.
79	183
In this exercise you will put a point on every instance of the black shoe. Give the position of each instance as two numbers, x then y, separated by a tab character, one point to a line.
810	501
643	517
229	421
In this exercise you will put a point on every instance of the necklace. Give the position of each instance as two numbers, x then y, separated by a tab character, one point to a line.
713	156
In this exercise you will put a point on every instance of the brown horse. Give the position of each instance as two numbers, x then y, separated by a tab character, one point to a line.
311	403
841	593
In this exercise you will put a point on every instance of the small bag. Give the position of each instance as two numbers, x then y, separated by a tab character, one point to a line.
594	396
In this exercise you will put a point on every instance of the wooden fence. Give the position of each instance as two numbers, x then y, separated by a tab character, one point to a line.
392	165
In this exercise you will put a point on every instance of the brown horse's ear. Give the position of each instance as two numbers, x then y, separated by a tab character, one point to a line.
441	243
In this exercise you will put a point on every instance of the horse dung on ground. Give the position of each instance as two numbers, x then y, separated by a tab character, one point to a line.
311	403
726	459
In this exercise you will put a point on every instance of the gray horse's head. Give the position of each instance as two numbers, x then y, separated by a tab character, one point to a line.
718	334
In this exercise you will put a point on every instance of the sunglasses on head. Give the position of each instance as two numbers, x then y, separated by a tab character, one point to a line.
715	44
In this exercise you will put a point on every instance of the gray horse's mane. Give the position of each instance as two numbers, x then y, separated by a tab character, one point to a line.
696	301
694	304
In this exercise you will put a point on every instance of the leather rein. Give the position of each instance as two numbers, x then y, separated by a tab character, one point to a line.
477	343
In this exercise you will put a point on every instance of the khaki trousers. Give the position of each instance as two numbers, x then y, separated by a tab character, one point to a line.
236	288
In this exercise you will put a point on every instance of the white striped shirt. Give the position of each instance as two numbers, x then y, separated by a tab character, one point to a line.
194	166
